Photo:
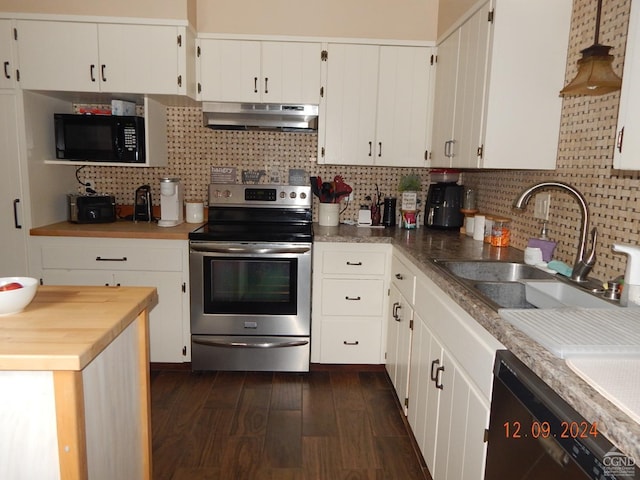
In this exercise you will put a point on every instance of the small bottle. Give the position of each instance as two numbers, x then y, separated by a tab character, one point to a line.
501	232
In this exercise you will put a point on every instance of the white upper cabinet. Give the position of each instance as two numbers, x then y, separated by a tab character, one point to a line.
377	109
90	57
256	71
7	55
627	150
497	86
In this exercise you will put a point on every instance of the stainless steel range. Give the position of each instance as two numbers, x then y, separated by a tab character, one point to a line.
250	275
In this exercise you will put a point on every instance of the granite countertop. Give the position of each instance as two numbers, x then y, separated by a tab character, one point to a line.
65	328
118	229
423	245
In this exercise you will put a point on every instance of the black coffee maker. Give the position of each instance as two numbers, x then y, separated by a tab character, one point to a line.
444	201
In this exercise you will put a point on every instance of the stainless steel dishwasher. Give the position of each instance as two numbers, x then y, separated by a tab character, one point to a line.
534	434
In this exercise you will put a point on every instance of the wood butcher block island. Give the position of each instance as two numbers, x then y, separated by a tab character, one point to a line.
74	378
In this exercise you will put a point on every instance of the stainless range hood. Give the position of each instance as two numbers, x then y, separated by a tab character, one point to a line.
259	116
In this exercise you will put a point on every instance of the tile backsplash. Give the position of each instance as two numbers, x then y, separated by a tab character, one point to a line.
585	160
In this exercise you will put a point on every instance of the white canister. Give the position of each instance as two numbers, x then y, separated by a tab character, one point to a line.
478	227
194	212
469	222
329	214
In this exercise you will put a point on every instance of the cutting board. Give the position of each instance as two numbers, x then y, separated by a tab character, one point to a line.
617	378
570	331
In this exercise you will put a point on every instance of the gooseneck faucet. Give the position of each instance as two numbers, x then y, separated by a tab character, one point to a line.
584	261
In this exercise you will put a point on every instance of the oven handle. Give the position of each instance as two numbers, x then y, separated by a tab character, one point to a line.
246	249
232	344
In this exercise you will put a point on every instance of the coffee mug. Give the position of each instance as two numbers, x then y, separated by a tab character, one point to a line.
532	256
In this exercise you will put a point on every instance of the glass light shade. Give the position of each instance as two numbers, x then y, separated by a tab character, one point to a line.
595	74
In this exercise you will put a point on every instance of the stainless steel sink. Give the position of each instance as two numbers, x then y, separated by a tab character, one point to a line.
504	294
492	271
519	286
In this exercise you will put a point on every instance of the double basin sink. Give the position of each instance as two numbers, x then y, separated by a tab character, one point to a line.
520	286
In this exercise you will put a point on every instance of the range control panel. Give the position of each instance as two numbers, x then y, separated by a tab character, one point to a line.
260	195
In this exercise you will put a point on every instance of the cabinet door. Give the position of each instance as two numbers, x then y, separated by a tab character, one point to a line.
399	323
138	58
229	70
58	56
470	86
290	72
7	56
444	99
351	93
404	87
165	319
627	152
13	254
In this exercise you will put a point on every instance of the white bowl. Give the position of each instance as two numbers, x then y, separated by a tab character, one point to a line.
14	301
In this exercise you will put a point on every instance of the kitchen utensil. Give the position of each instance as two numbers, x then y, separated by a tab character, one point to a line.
142	204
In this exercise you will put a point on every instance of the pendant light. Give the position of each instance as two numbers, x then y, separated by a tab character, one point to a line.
595	75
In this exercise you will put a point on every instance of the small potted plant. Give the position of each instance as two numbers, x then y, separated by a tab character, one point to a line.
409	187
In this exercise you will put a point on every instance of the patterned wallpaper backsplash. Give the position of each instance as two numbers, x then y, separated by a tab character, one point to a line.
585	160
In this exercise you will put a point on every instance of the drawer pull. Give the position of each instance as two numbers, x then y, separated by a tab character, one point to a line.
399	276
353	298
351	343
100	259
355	264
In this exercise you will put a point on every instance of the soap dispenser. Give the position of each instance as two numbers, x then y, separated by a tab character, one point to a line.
631	288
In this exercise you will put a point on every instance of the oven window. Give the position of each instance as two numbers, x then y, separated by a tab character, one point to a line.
246	286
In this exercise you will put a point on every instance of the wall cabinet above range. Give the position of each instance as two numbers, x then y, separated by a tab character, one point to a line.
497	102
377	106
97	57
258	71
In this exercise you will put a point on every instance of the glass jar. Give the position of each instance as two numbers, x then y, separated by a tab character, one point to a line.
488	228
501	232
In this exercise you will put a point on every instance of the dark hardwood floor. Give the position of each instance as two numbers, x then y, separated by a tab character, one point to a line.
333	423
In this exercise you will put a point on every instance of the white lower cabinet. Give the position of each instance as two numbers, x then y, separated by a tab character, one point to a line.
447	378
128	262
349	302
400	321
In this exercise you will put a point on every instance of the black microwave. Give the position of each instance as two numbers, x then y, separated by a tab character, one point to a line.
99	138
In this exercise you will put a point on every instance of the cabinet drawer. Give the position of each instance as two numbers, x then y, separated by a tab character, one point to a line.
350	341
111	258
352	297
354	263
403	279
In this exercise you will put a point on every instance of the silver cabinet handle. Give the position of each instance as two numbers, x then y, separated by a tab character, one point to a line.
121	259
353	298
396	307
434	364
438	378
620	138
351	343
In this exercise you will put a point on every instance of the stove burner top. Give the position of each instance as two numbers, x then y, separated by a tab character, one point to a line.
252	213
253	233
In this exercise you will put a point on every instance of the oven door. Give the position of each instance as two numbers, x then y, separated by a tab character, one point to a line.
250	288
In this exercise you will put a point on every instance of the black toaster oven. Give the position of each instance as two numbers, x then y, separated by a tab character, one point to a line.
91	208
